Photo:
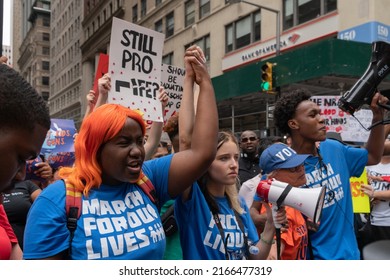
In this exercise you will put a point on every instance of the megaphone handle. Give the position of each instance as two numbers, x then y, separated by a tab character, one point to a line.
275	208
384	106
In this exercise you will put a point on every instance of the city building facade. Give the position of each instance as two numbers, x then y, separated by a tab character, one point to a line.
321	45
66	93
34	51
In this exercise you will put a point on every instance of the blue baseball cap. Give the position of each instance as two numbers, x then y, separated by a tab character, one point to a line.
279	156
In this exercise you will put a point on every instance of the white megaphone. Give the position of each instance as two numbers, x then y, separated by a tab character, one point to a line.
308	201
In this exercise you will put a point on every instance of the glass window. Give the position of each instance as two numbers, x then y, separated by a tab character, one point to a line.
45	65
189	13
45	50
168	59
243	32
45	81
143	8
257	26
330	5
204	8
45	95
204	43
158	2
158	26
46	36
135	13
308	10
288	16
229	38
170	24
46	21
296	12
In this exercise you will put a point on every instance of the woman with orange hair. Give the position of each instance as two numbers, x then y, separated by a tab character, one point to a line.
119	220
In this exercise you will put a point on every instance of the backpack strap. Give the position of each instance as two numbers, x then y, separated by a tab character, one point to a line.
147	187
73	211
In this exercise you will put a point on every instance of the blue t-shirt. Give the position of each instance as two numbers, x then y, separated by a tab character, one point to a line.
335	238
117	222
199	235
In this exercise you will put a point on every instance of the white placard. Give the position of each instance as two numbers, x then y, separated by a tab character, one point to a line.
172	79
135	68
339	121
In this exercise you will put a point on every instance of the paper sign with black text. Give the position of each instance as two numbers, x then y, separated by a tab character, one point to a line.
172	79
135	68
339	121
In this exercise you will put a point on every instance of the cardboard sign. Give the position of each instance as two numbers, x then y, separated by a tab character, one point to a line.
172	79
339	121
135	68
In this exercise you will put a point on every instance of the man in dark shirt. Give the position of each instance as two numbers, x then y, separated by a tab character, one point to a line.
249	158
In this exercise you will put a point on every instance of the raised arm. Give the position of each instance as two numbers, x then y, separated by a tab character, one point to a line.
104	86
91	101
375	143
188	165
156	128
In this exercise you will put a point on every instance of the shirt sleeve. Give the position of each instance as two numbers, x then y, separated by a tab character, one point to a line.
4	223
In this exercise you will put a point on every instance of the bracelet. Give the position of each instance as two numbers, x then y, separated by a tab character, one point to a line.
267	241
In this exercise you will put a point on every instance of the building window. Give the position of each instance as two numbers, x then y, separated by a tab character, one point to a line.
296	12
168	59
308	10
45	95
45	81
204	8
243	32
204	44
135	13
45	50
45	65
189	13
330	5
46	21
46	36
158	2
170	24
158	26
143	8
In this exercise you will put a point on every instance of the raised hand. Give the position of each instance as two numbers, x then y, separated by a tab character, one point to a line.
195	58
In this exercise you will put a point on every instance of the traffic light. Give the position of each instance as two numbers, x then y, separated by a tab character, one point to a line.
266	77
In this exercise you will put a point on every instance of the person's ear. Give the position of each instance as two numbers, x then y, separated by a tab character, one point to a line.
293	124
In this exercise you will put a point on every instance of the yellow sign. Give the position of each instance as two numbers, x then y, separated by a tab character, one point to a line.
360	201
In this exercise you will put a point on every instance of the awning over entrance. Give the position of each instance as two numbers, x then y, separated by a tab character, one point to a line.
327	67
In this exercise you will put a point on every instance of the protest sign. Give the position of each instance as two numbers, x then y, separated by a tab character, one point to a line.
58	147
172	79
339	121
135	68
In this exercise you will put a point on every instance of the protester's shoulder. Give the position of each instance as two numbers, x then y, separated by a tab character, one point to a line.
153	165
54	191
251	183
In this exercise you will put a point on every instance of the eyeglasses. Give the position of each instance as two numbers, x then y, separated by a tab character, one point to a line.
294	169
245	140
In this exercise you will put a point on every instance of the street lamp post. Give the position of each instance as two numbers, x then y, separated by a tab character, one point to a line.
277	12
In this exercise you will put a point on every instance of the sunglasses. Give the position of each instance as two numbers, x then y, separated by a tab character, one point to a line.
245	140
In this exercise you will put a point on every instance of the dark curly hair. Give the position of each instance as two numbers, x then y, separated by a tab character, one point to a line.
286	107
21	107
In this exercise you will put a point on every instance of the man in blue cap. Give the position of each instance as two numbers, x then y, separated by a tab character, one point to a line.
282	163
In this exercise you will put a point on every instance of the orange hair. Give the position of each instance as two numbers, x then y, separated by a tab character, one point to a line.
103	124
